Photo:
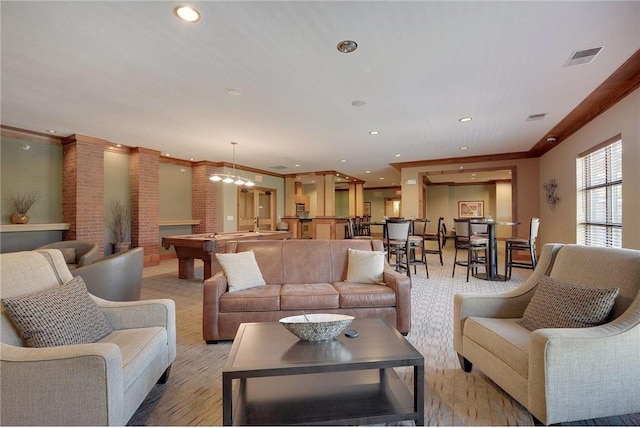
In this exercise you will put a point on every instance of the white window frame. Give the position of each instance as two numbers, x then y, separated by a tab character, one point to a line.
599	181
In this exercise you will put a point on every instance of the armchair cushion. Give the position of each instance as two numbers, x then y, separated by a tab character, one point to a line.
365	267
556	304
241	270
61	315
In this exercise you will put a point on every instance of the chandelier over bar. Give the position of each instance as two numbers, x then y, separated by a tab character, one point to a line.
232	178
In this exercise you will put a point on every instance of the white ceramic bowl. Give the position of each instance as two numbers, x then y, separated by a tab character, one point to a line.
316	327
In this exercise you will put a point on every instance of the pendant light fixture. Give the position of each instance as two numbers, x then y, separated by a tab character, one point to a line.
232	178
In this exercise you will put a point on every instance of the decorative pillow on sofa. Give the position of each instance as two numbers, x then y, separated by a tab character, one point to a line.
61	315
69	255
556	304
241	269
365	267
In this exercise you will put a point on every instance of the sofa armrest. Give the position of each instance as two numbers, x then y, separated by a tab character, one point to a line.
212	291
140	314
63	385
585	373
510	304
401	285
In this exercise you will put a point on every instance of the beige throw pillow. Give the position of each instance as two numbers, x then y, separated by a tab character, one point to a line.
241	269
61	315
556	304
365	267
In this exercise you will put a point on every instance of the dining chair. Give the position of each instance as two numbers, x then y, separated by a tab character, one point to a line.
416	244
396	242
471	244
350	231
438	237
522	244
365	228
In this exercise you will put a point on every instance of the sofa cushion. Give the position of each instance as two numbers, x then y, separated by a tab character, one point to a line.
308	296
502	337
365	267
256	299
241	270
138	347
556	304
364	295
60	315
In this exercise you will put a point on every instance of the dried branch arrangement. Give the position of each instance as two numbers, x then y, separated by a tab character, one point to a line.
22	203
118	220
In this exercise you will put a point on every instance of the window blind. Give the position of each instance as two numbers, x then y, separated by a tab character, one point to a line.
600	195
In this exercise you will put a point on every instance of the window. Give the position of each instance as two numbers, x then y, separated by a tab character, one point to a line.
600	194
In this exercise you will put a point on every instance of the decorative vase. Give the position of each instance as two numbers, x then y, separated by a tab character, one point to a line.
19	218
120	247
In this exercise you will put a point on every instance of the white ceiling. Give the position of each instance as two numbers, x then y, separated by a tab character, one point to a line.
132	73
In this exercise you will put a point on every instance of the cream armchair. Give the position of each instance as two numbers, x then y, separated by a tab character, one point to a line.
560	374
99	383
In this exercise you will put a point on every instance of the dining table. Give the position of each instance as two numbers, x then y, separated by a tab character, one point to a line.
492	270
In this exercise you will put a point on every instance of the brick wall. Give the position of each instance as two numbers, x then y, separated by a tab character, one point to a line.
145	203
204	200
83	189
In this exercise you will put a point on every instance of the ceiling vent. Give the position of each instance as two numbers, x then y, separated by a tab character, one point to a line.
584	56
538	116
279	167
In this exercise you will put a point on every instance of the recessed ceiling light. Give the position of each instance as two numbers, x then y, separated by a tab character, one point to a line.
343	160
374	132
368	172
236	92
465	119
297	164
381	178
51	131
167	154
187	13
118	145
397	155
464	148
347	46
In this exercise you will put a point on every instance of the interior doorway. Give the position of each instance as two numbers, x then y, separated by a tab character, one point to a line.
256	209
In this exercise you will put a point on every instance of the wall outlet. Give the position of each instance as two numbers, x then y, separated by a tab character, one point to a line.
230	218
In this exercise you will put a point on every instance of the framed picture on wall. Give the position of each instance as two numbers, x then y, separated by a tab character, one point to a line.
367	208
470	209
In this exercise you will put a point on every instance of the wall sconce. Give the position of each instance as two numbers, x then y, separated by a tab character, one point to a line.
550	192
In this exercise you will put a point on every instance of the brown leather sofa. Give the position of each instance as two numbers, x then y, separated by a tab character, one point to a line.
303	275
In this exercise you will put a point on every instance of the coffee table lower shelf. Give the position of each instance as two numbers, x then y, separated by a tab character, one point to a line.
358	397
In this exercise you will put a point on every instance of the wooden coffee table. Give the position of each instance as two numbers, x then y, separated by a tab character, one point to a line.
273	378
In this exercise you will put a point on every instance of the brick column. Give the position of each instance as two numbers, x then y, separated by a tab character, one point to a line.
204	194
145	203
83	188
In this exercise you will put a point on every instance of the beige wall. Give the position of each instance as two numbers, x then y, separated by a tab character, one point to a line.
560	163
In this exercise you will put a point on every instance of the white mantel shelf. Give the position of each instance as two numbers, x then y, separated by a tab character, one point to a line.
33	227
179	222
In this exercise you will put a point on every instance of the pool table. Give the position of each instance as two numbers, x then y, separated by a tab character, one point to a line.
203	246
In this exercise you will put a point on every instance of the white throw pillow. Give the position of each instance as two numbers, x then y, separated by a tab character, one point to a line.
365	267
241	270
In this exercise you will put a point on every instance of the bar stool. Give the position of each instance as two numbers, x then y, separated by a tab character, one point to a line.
522	244
396	242
436	237
416	242
471	244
